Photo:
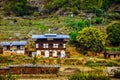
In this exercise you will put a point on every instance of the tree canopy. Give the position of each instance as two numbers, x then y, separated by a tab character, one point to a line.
19	7
113	32
92	39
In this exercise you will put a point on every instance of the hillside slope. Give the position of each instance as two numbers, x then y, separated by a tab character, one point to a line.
46	7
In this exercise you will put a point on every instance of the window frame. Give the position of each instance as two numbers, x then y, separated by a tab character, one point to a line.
55	45
45	45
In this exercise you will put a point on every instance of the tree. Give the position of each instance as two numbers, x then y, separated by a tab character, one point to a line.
113	32
73	36
91	39
19	7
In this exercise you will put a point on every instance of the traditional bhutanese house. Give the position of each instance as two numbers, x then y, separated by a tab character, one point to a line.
14	47
51	45
112	54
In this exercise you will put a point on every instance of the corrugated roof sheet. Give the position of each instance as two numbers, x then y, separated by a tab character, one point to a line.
13	43
50	36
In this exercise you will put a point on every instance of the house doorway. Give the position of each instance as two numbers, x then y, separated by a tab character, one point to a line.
46	53
54	53
62	54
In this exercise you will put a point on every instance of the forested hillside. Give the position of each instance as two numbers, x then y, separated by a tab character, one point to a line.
56	7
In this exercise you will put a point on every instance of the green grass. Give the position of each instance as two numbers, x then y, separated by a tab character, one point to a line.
23	27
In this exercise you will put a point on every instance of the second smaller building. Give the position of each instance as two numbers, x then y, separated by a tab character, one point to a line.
14	47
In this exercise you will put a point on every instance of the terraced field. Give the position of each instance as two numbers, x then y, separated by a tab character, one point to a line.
24	28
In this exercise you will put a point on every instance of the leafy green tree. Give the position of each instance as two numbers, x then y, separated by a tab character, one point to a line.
113	32
91	39
73	36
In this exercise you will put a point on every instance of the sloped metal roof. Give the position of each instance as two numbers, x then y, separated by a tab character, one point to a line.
20	43
55	36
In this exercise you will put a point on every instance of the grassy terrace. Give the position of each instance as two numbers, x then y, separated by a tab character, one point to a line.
27	27
83	63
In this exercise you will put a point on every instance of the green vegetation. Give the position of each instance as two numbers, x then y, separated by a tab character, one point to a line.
113	31
8	77
91	39
112	49
89	76
19	7
73	36
94	64
62	7
75	6
86	21
34	60
76	24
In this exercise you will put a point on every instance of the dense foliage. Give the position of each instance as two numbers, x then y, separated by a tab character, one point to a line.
17	7
75	6
73	36
113	31
76	25
21	7
91	39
